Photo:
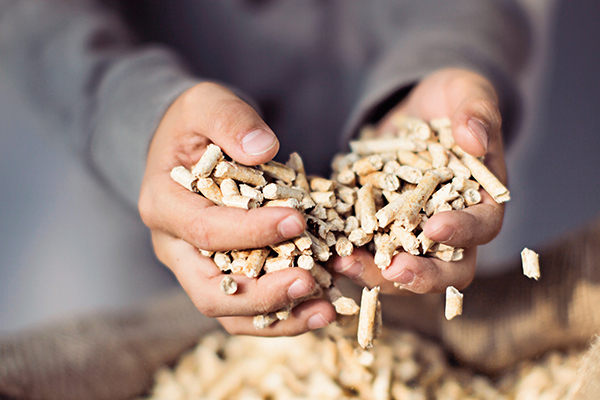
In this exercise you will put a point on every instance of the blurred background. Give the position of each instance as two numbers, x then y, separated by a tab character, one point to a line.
68	246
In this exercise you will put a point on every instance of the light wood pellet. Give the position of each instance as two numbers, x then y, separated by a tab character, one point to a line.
228	285
454	302
531	264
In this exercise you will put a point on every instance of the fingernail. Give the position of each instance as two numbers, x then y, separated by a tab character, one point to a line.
478	130
317	321
352	270
258	142
290	227
443	234
298	289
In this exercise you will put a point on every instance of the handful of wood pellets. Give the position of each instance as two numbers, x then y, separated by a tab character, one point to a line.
380	195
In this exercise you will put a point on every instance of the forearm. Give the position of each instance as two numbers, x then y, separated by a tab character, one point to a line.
78	64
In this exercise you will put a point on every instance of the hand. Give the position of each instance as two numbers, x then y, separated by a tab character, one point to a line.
181	222
470	101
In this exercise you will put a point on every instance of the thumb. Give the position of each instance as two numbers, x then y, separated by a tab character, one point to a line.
218	114
476	121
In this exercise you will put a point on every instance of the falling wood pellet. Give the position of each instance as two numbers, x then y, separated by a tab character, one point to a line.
531	264
367	317
454	302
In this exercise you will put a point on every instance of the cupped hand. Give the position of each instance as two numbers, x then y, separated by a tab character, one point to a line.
181	222
471	103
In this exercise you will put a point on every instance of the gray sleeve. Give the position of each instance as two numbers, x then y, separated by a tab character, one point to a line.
488	37
79	65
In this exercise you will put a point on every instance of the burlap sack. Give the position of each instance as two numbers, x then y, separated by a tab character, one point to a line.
509	318
104	356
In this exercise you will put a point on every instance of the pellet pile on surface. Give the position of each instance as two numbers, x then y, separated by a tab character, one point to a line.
326	365
380	195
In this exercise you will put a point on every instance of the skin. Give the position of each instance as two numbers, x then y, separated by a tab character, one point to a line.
181	221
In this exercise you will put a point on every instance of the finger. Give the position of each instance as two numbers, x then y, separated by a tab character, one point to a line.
429	275
307	316
360	268
201	279
470	227
198	221
231	123
476	121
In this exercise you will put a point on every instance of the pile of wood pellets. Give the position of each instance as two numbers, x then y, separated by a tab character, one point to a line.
327	366
380	196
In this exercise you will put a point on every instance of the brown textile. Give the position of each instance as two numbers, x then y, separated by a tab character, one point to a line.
509	318
106	356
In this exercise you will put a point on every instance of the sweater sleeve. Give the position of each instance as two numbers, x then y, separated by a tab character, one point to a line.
94	84
491	38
